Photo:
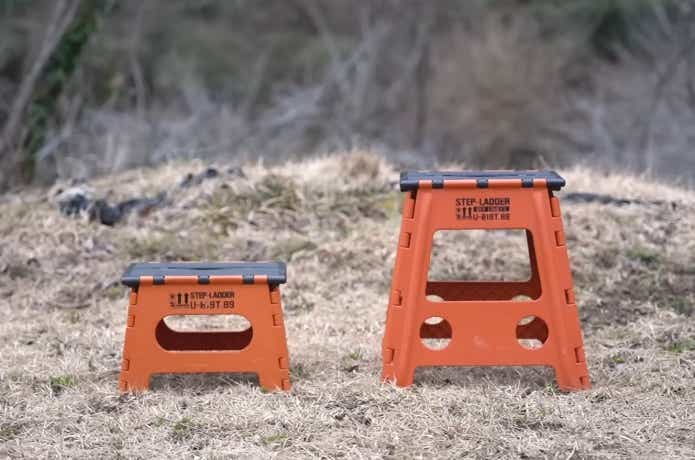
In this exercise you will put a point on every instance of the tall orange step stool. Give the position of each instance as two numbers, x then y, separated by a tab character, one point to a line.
171	289
481	320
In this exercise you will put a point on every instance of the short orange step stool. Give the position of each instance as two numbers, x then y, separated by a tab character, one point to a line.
481	320
247	289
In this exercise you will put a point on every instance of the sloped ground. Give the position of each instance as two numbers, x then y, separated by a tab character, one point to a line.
335	221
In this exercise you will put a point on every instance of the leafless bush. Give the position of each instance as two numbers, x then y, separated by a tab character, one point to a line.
505	95
499	92
61	18
425	82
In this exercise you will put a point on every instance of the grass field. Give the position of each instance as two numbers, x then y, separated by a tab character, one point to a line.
335	221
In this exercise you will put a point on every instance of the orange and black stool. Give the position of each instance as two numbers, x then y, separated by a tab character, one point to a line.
485	322
249	289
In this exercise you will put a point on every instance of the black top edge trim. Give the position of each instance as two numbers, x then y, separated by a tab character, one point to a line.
276	272
276	279
131	281
410	180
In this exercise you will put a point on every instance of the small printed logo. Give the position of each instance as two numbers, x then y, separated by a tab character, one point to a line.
178	300
494	208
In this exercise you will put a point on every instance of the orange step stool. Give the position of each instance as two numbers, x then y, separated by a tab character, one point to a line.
171	289
481	320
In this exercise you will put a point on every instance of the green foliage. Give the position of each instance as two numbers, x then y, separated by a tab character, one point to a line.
114	292
644	255
356	355
614	23
159	421
242	49
10	430
58	70
299	371
182	429
682	346
274	439
681	304
61	382
618	359
390	203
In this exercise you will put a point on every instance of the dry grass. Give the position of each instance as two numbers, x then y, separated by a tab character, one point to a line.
335	221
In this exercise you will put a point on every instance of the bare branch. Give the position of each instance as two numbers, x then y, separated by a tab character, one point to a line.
680	55
63	15
135	67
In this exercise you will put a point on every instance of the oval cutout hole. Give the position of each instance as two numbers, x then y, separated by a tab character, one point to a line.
435	333
204	332
200	323
531	332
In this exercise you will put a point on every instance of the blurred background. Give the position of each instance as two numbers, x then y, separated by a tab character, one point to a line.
94	86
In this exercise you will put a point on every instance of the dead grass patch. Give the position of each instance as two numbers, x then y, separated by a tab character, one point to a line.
336	220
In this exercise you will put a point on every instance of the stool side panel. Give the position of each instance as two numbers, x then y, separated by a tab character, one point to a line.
483	329
147	336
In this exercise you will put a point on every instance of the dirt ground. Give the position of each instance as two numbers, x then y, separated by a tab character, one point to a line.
335	221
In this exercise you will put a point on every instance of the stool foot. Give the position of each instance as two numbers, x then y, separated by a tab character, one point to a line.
274	382
568	382
134	383
401	378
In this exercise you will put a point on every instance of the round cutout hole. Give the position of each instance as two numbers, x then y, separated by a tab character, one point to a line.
435	333
434	298
521	298
531	332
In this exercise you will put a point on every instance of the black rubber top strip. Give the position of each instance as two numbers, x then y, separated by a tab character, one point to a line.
410	180
276	272
527	182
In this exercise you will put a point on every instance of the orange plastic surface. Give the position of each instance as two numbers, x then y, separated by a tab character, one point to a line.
482	321
151	347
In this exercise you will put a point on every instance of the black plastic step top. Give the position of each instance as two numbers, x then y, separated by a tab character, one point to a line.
410	180
275	271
